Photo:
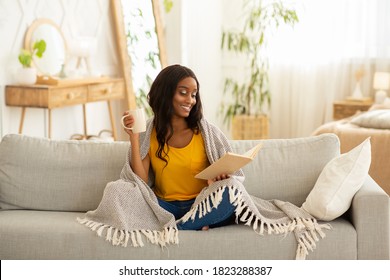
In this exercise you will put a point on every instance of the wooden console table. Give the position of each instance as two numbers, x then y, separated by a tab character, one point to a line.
78	92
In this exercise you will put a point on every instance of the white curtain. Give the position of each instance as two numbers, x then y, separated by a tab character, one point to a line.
314	63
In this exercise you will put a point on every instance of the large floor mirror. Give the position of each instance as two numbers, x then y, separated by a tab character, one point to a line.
142	45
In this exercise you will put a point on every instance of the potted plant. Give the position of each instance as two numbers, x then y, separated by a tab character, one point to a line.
27	75
245	109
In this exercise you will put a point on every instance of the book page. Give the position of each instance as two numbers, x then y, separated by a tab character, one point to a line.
253	152
228	164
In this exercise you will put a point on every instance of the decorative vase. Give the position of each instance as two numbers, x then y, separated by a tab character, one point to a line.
357	93
246	127
26	76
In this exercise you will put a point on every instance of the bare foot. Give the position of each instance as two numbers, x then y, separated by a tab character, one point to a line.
205	228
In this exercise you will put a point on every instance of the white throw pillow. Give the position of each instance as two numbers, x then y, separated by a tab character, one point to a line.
373	119
338	182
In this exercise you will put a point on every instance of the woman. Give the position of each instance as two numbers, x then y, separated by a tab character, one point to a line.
177	149
177	144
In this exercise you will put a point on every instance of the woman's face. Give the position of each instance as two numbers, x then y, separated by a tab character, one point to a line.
185	97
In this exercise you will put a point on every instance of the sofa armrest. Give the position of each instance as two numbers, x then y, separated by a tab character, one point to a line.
370	213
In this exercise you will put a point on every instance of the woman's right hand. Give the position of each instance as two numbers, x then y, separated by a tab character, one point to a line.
128	121
139	166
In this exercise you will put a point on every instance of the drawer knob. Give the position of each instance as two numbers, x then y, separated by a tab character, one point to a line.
71	95
107	91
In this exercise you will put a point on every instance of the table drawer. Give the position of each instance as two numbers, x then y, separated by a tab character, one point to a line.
105	91
26	97
68	96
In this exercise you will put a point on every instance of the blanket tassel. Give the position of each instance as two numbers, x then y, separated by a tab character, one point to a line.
122	237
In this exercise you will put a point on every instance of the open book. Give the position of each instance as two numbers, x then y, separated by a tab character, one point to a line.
228	163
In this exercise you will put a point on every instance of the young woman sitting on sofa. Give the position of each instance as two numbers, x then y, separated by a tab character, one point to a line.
177	148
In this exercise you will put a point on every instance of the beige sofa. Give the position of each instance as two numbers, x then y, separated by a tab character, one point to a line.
46	184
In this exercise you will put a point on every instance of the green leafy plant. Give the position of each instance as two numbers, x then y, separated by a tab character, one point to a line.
168	4
261	18
26	56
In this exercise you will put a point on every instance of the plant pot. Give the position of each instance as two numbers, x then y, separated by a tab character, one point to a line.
26	76
250	127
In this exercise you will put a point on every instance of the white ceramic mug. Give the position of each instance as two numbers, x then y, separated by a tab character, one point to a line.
139	120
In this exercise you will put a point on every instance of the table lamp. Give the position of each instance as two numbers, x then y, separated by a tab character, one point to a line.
381	84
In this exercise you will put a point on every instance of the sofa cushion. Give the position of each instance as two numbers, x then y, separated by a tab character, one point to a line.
287	169
58	175
56	235
338	182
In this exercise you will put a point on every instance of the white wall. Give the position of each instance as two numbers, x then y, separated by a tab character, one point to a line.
75	18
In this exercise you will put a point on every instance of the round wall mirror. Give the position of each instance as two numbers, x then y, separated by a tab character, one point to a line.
54	57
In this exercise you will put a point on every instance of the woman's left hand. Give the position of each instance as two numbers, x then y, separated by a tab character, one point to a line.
218	178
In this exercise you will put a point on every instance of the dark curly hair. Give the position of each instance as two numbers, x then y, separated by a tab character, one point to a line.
160	100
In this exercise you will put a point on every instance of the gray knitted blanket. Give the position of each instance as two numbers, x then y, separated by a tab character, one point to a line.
129	208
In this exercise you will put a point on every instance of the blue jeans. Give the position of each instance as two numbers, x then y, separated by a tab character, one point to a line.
217	217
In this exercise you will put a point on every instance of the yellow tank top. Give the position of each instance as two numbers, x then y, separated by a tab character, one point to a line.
176	181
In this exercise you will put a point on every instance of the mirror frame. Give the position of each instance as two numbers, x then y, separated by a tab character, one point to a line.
160	33
124	57
30	31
